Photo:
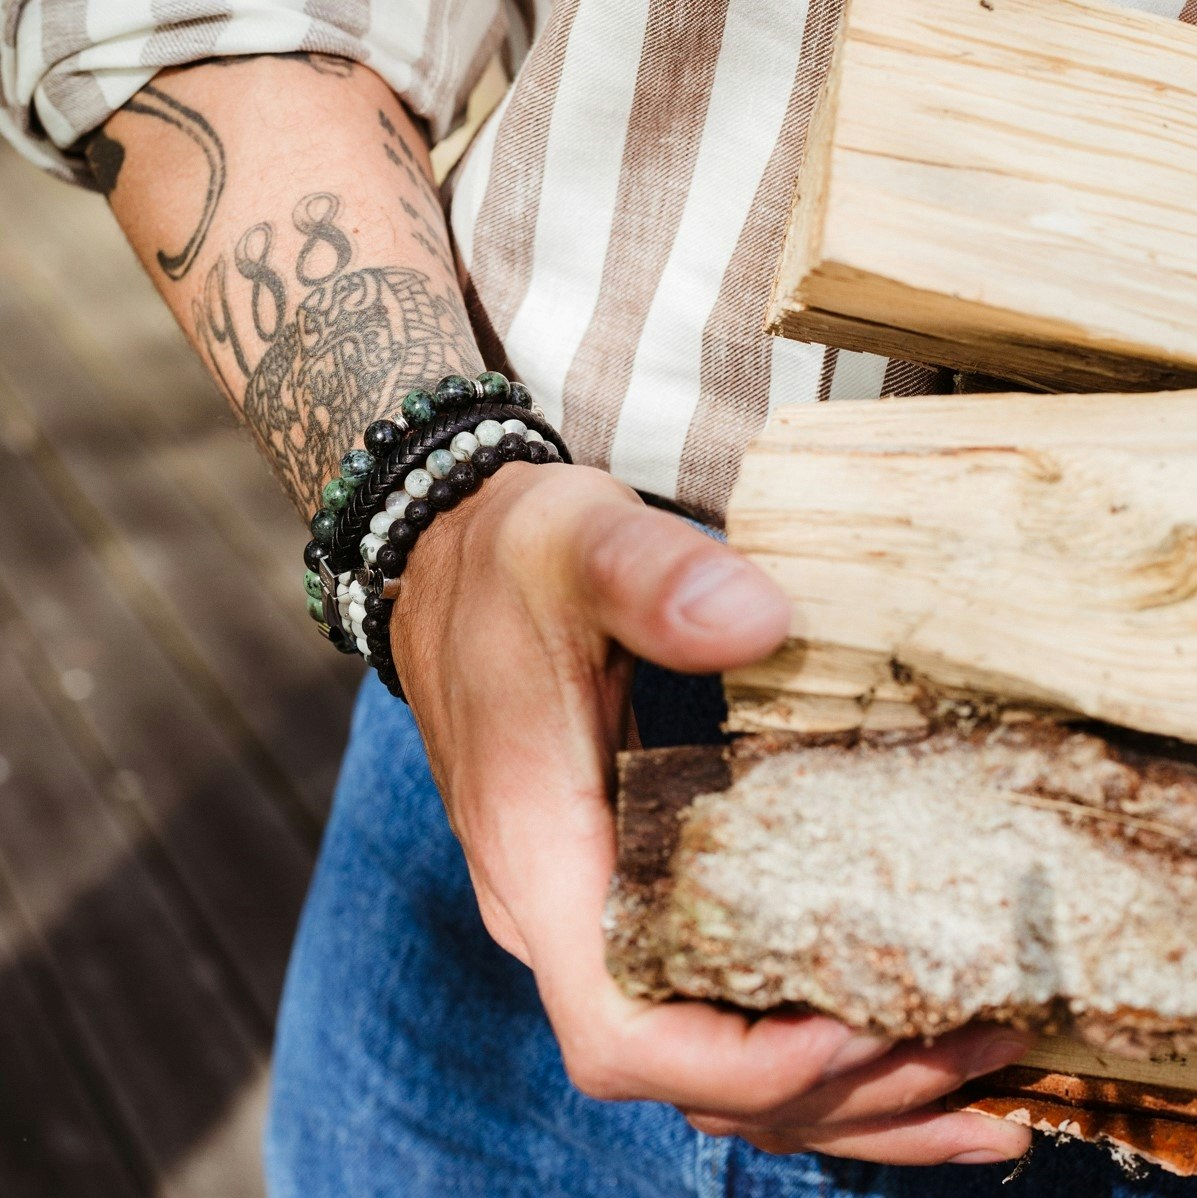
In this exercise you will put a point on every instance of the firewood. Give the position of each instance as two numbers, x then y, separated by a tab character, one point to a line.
1035	874
1006	187
986	555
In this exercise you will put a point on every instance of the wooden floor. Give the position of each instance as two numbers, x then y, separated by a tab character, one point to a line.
169	731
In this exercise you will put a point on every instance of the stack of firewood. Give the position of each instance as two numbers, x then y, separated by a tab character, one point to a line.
966	787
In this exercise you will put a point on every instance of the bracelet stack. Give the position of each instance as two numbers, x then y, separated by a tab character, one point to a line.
441	448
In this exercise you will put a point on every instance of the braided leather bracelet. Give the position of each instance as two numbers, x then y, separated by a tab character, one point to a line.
476	460
344	552
388	493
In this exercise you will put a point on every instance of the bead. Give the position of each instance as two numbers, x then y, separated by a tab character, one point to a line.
336	494
417	482
440	462
463	478
402	534
342	642
531	435
554	454
311	584
376	605
370	546
397	502
441	496
512	448
357	613
380	522
520	396
486	461
390	560
489	432
362	647
315	609
418	407
313	554
454	391
355	465
463	445
515	426
419	513
495	387
538	454
324	524
387	674
380	437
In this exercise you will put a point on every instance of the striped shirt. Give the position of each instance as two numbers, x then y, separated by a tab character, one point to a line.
618	218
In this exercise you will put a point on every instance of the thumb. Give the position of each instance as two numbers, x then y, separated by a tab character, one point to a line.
672	595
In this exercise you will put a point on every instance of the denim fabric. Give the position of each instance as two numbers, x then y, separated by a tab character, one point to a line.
414	1059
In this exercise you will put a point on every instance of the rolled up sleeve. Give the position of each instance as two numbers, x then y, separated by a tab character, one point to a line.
67	65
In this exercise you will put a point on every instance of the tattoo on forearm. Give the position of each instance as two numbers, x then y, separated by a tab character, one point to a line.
105	156
152	102
428	225
359	339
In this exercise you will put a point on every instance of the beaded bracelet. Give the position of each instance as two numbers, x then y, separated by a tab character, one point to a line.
418	412
475	455
412	467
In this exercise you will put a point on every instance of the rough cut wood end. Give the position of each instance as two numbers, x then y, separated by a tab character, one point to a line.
1030	874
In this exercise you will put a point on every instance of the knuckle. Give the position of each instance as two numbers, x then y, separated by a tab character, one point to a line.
593	1077
711	1125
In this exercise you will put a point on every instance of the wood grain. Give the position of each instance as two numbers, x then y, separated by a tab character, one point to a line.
957	554
1003	187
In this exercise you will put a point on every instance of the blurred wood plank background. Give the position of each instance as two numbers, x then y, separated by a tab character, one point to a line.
169	731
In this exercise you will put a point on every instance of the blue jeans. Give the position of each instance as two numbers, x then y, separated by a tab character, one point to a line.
414	1059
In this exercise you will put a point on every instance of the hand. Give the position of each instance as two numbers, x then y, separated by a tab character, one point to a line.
513	634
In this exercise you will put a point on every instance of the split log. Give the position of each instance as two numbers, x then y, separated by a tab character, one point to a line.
1005	187
983	555
1036	875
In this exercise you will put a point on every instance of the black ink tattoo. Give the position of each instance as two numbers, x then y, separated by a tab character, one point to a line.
430	230
218	319
314	215
357	342
152	102
356	346
105	156
250	259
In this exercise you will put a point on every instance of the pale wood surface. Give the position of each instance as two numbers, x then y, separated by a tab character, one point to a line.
1004	187
1039	550
169	735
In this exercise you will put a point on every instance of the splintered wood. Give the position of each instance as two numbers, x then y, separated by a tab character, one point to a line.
1004	187
977	556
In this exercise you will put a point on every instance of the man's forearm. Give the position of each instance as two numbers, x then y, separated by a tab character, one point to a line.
285	212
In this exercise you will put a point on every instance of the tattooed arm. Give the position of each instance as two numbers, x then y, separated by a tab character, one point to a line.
285	214
283	207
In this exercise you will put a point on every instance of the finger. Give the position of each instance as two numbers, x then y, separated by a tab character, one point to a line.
923	1138
671	594
909	1077
685	1053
